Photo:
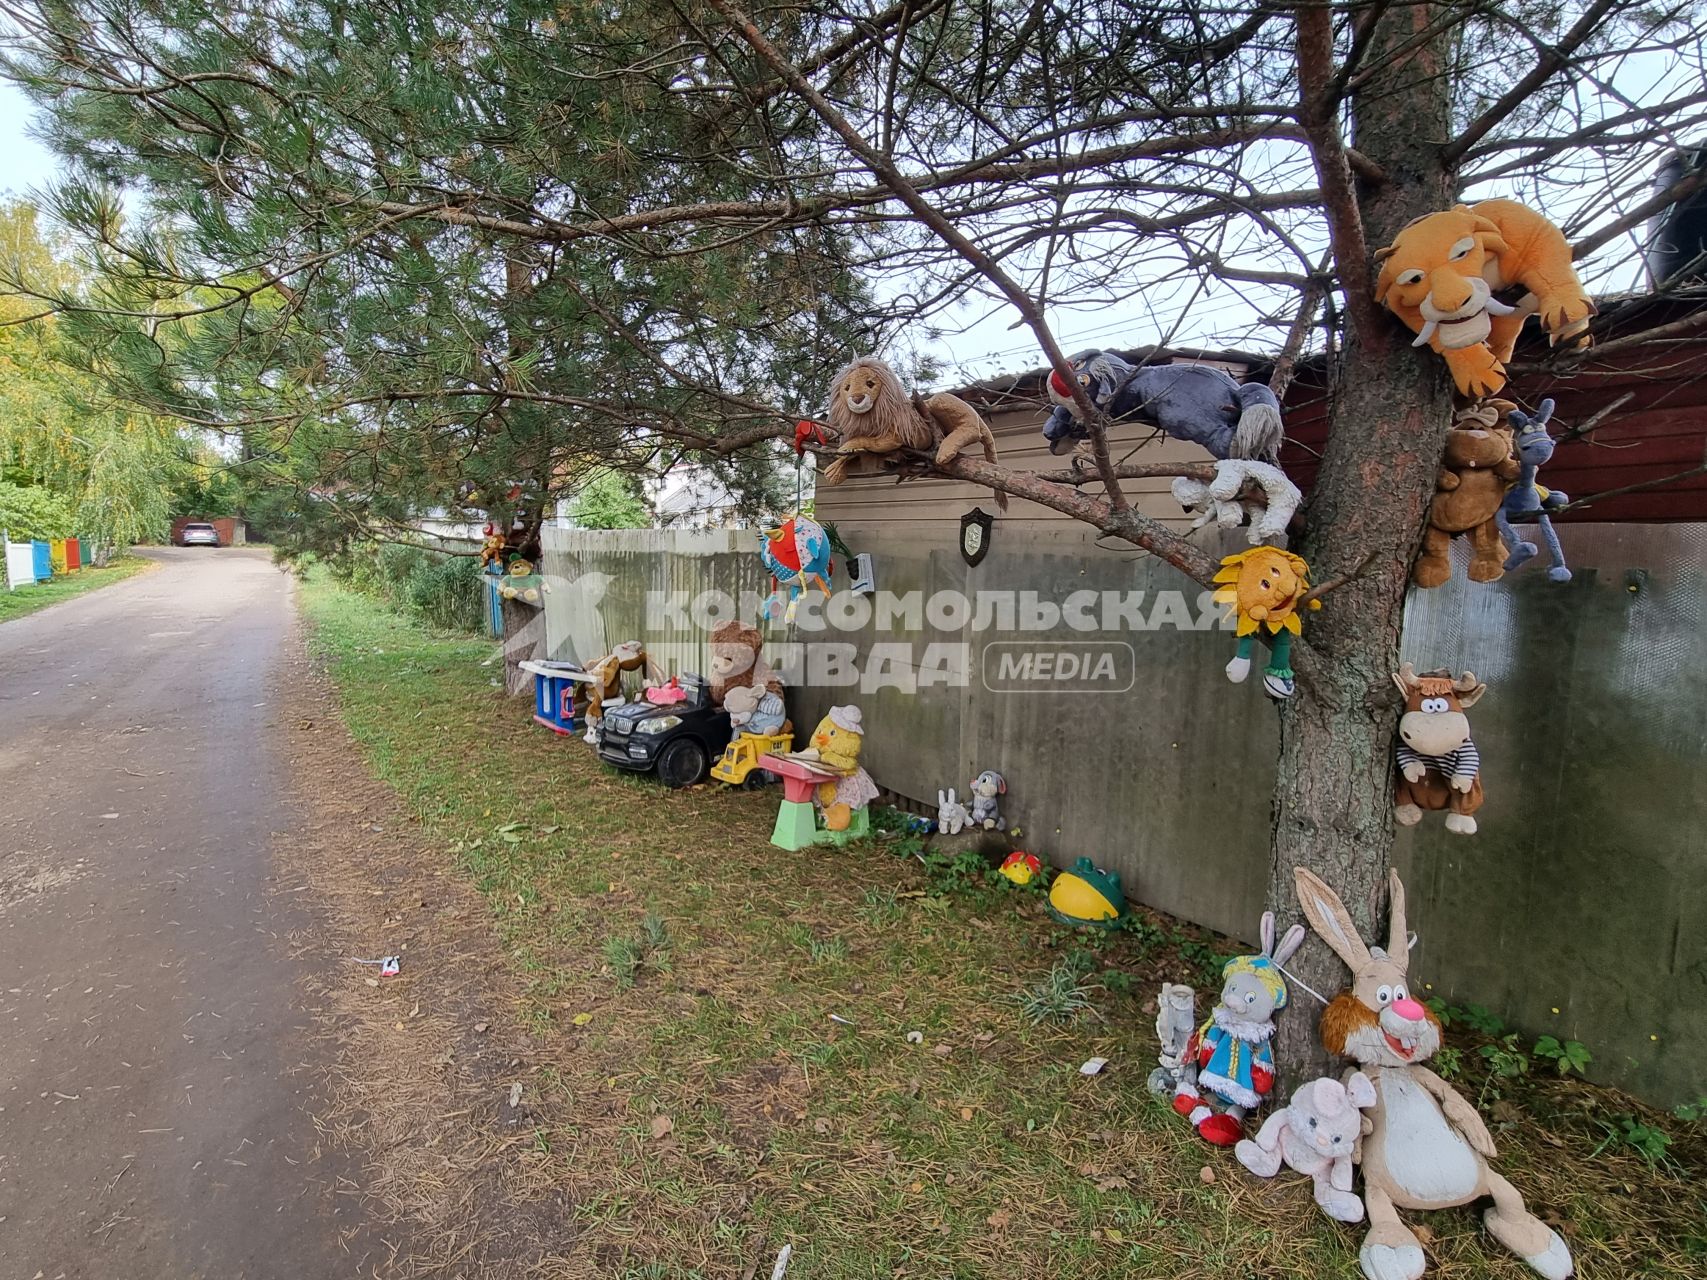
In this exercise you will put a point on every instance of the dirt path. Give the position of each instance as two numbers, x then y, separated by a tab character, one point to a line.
157	1082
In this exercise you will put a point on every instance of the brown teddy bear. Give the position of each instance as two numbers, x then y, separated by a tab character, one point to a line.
735	660
1475	474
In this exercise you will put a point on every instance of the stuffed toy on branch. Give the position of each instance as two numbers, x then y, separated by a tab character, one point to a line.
1530	502
1427	1148
872	416
1439	768
1243	492
1195	402
1266	587
1476	471
1443	275
1229	1060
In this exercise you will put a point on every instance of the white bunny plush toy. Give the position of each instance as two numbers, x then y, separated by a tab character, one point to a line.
1316	1135
1427	1148
951	815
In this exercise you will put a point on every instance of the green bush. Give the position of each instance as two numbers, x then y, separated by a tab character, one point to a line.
29	511
440	589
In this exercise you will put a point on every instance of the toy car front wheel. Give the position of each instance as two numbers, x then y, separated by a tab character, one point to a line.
682	763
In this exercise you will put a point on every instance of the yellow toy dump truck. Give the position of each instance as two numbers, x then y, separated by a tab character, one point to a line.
738	765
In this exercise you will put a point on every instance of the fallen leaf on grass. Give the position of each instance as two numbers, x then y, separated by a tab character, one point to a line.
515	1094
480	1026
1206	1175
661	1126
581	1019
821	1125
943	1050
1116	1183
966	1113
1114	1235
999	1219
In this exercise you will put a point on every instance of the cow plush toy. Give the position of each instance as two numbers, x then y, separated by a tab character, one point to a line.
1438	765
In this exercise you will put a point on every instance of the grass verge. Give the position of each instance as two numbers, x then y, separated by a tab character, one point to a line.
722	1037
61	587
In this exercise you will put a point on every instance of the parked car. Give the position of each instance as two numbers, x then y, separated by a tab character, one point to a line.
678	741
198	535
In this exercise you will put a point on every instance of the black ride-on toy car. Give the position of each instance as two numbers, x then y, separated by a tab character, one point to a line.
677	742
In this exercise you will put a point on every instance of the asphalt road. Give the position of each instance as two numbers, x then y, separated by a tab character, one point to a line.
156	1083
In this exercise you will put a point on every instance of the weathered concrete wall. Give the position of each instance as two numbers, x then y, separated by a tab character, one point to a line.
1585	891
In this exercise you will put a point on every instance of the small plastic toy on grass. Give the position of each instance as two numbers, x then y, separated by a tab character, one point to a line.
555	685
1087	895
1266	587
1229	1059
1176	1020
1020	866
825	781
761	727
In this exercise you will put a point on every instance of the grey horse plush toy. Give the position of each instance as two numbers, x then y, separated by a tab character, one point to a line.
1195	402
1529	501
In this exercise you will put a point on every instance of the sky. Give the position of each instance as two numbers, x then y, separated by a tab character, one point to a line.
24	162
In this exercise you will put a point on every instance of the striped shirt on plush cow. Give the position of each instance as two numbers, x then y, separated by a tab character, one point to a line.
1465	762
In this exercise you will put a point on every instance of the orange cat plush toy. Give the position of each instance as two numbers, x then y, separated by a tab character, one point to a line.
1443	272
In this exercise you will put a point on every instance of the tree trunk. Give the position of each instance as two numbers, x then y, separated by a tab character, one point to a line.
1389	412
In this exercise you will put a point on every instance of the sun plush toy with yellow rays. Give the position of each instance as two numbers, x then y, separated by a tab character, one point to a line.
1266	588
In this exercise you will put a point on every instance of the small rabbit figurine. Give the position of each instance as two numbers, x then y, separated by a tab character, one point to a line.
1316	1135
951	815
1426	1147
985	788
1229	1057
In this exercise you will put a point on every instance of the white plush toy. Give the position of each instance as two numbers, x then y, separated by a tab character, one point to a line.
951	816
1317	1135
1219	500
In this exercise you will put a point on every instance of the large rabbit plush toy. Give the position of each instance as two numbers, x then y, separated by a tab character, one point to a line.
1229	1058
1426	1147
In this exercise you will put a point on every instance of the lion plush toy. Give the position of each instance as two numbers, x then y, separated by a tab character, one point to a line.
871	415
736	660
1442	272
1476	473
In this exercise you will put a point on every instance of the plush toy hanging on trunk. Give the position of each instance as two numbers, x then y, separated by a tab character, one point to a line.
1443	275
1530	502
1229	1059
1266	588
1438	765
1476	472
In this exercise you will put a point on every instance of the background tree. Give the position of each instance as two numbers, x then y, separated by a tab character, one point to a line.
609	501
110	465
457	241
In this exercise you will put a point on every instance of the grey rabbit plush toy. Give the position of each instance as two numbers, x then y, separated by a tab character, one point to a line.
985	788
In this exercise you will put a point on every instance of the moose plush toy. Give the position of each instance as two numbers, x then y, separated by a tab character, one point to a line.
1316	1135
1426	1148
1229	1058
1476	472
1438	766
1443	275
